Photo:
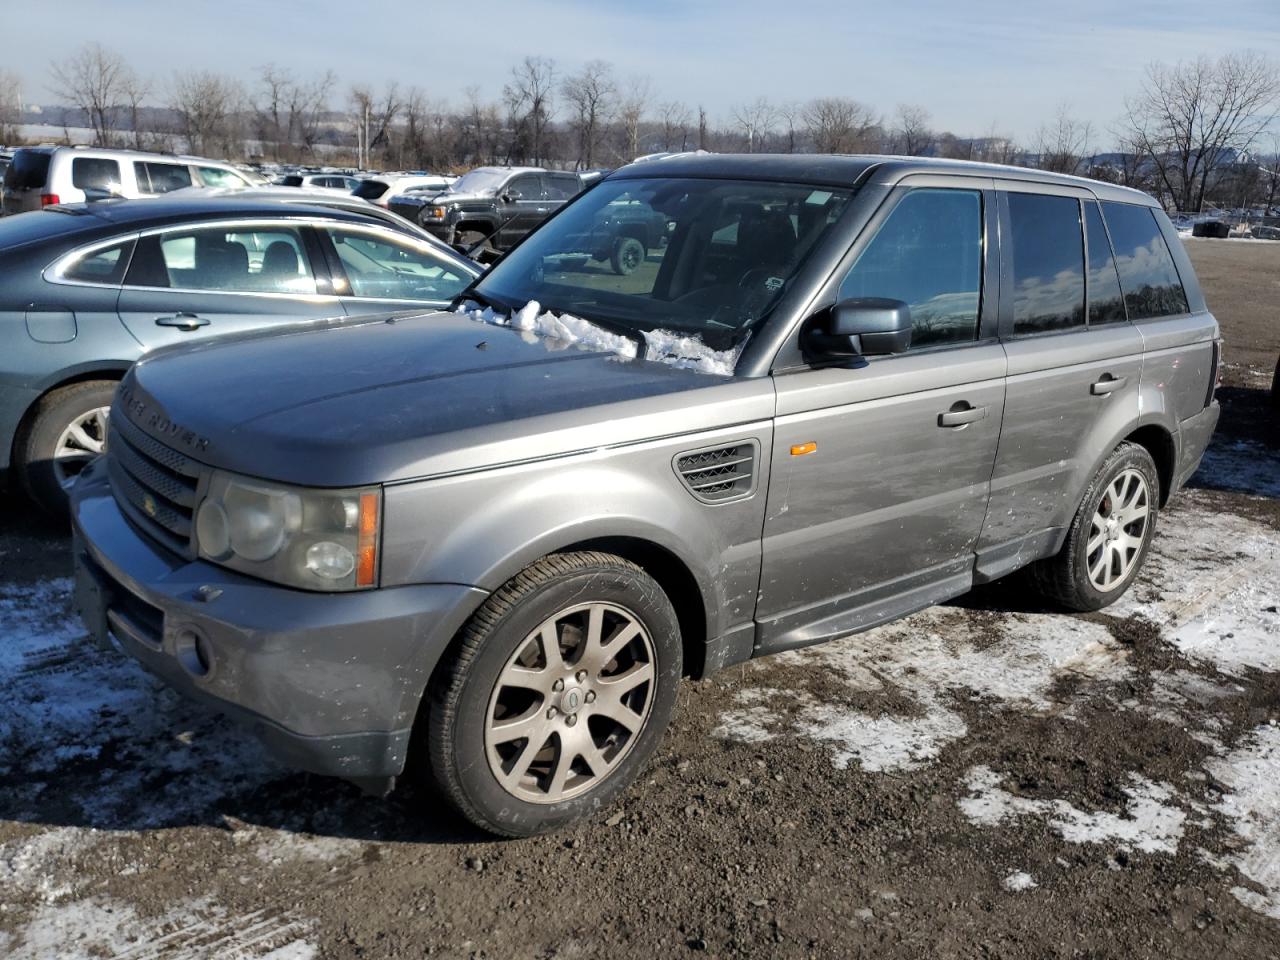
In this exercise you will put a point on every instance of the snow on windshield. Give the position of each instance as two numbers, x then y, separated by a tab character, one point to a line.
663	346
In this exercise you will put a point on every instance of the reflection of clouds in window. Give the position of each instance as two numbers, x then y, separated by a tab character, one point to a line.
1147	273
1048	262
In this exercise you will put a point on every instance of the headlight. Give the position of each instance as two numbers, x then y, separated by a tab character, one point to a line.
436	213
295	536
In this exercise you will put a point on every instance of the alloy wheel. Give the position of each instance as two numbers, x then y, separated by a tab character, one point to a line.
1118	530
83	439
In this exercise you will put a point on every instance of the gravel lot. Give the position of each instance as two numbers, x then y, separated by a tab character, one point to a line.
983	779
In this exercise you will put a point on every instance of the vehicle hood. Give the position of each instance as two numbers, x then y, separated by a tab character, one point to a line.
451	196
404	397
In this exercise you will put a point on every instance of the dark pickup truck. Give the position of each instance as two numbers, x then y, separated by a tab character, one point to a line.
494	205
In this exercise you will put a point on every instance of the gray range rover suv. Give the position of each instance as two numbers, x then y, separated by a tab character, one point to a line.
487	543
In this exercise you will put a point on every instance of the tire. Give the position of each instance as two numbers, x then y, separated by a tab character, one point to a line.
1105	547
628	253
503	642
48	431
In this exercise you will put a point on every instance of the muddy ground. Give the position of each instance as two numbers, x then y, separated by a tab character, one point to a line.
985	779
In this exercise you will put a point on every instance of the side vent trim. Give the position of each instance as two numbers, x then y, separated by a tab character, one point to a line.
719	474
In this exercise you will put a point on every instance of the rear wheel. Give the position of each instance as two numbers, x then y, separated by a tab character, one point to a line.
67	429
560	690
1109	535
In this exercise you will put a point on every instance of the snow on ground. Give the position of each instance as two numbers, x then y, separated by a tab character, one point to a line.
930	658
1151	823
1251	774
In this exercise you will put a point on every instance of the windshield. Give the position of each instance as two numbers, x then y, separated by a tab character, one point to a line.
707	257
480	180
370	189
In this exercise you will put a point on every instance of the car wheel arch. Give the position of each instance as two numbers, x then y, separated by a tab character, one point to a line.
62	380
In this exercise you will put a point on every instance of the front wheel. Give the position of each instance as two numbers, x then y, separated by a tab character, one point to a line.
628	254
561	688
1109	536
67	429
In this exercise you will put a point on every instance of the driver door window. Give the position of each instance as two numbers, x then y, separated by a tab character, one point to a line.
928	254
382	267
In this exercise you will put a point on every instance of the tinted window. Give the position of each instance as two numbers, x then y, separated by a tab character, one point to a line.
561	186
381	267
217	177
1048	263
162	177
293	180
93	173
101	266
28	170
370	190
1147	274
1106	305
248	260
928	254
524	188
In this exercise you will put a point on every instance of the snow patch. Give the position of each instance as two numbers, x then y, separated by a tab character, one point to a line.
194	930
663	346
1251	772
1019	881
930	658
1153	824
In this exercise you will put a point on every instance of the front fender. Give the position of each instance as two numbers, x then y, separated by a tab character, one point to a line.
481	529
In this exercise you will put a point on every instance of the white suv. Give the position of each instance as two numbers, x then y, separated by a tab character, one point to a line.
40	176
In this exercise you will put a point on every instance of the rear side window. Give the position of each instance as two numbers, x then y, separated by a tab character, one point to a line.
105	265
1048	263
562	186
28	170
928	254
524	188
1147	274
293	180
161	177
370	190
217	177
1106	305
244	260
95	173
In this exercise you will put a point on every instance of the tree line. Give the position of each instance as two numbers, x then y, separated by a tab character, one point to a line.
1194	131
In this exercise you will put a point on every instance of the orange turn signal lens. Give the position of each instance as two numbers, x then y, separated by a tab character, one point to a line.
367	544
803	449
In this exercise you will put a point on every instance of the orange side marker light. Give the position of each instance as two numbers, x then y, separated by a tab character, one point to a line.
803	449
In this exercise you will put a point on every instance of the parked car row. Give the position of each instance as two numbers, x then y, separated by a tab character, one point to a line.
89	288
484	545
38	177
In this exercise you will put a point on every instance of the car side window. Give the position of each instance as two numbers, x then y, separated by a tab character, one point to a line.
1106	304
95	173
391	268
1048	263
560	186
234	259
105	265
161	177
1148	276
928	254
524	188
217	177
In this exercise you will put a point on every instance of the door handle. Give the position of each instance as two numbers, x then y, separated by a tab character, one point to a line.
1108	384
183	321
961	414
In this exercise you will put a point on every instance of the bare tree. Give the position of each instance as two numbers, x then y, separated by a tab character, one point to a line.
591	93
1192	118
1062	146
481	126
702	128
308	103
1270	169
206	104
791	114
529	101
840	125
756	120
10	106
133	90
631	112
675	119
91	79
912	135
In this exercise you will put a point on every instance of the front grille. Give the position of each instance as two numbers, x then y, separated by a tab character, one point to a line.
155	485
718	474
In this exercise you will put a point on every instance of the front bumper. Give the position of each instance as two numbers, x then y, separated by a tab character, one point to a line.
330	682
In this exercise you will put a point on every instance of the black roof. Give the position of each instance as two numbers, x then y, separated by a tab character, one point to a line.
841	170
162	210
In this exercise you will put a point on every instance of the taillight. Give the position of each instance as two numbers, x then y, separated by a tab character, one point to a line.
48	199
1215	372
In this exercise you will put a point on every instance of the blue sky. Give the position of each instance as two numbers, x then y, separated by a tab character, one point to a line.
975	65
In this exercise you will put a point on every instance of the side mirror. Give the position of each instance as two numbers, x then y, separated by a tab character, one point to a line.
862	327
506	198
